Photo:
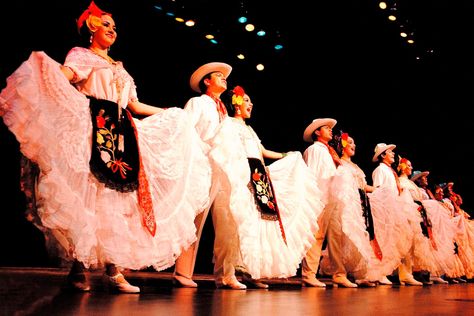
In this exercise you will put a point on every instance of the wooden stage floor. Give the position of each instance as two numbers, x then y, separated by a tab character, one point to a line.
38	291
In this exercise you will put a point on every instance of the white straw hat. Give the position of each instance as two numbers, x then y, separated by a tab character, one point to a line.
205	69
314	125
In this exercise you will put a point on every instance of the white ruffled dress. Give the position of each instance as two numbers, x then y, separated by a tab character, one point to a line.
425	256
443	230
263	251
94	224
358	256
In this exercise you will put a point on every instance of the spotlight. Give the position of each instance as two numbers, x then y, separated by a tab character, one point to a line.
242	19
241	56
261	33
278	46
260	67
249	27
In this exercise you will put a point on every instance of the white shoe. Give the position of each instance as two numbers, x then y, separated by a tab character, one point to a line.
231	283
313	282
181	281
343	281
438	280
385	281
117	283
410	281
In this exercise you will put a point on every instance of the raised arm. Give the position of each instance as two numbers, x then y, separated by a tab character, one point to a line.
271	154
140	108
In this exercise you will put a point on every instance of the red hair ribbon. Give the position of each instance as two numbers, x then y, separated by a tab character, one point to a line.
94	10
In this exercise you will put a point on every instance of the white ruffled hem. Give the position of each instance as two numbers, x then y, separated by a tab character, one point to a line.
51	121
263	250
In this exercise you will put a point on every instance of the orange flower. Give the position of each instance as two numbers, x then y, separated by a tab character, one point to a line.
255	176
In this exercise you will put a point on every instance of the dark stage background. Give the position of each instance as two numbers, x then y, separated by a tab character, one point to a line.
344	60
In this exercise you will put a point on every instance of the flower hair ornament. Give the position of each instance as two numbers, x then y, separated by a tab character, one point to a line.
238	95
92	17
344	139
339	142
402	164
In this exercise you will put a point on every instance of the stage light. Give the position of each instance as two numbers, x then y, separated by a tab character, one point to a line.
241	56
392	17
261	33
242	19
179	19
190	23
158	7
260	67
278	46
383	5
410	41
403	34
209	36
249	27
169	13
213	41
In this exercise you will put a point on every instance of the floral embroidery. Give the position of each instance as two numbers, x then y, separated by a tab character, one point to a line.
106	140
263	189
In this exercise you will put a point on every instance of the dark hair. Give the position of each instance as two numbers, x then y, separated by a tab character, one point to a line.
336	142
226	98
381	156
202	86
84	36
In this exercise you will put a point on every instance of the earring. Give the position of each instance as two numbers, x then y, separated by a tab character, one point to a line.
237	111
91	38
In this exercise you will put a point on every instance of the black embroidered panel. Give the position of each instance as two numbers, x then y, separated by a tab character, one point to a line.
261	188
367	213
426	223
115	157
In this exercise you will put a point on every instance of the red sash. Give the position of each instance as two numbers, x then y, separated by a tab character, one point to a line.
335	157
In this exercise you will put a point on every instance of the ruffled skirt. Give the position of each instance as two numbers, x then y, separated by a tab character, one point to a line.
94	224
264	252
444	233
357	253
465	241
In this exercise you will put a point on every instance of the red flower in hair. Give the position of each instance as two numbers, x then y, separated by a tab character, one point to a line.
344	138
238	95
402	164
